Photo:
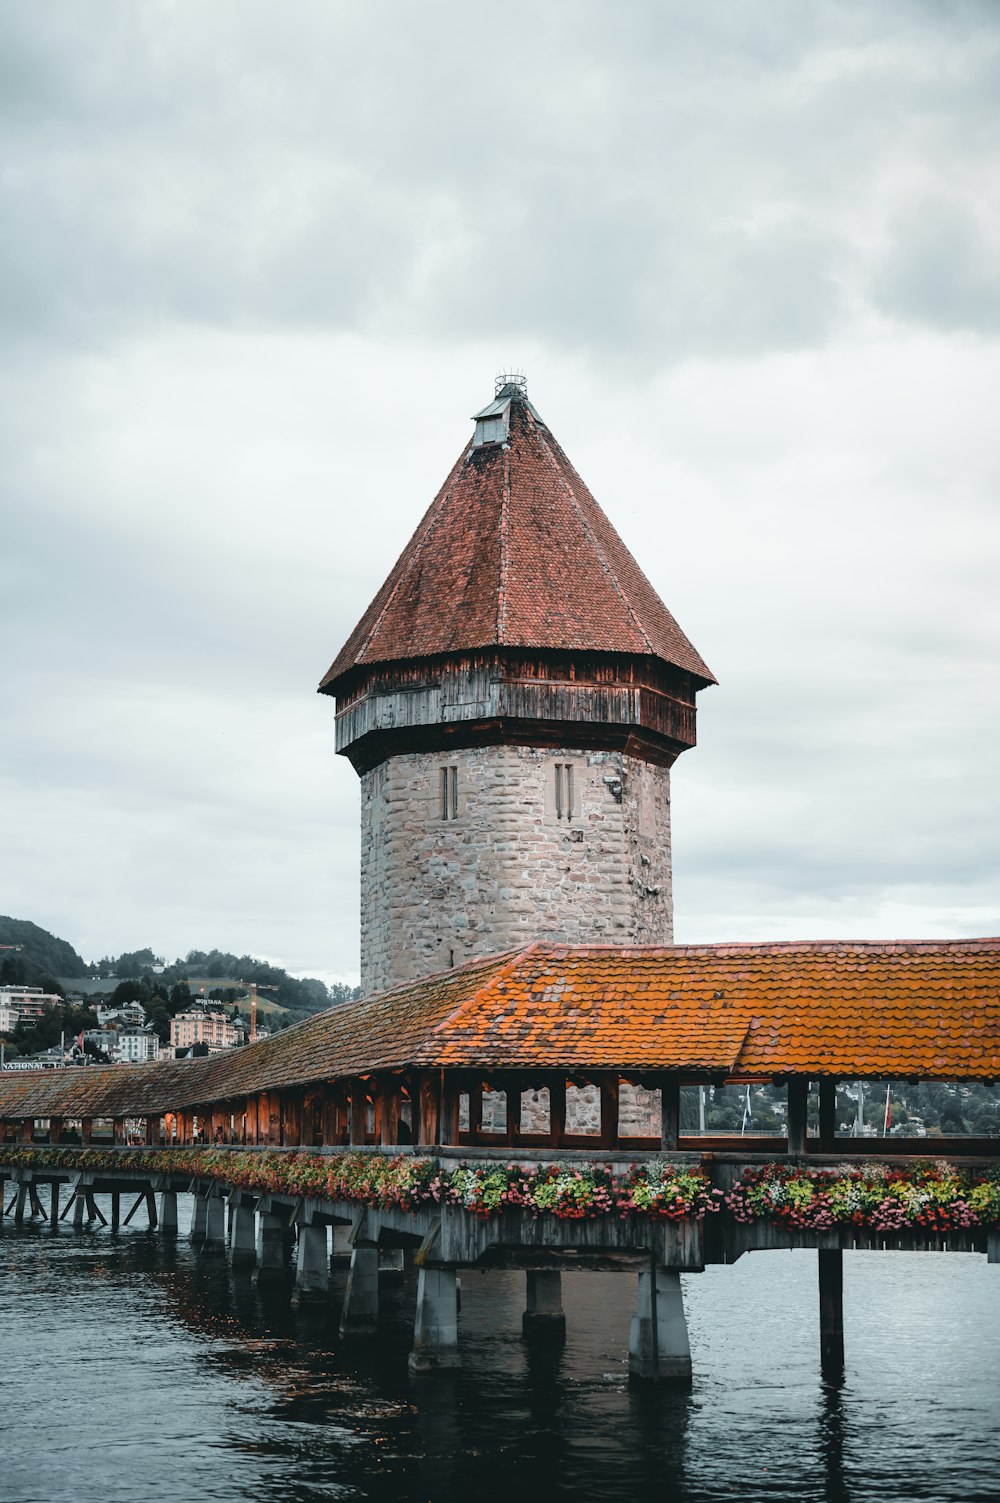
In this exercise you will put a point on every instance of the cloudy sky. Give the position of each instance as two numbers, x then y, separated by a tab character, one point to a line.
259	263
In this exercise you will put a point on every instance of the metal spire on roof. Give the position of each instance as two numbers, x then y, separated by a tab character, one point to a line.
511	384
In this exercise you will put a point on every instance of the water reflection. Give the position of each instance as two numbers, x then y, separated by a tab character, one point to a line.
831	1440
167	1376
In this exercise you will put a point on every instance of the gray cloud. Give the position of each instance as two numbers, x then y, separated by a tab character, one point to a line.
690	179
258	265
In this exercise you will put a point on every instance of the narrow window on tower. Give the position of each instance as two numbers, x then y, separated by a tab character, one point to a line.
565	805
449	793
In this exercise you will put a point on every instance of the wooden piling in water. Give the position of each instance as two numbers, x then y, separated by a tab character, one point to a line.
831	1311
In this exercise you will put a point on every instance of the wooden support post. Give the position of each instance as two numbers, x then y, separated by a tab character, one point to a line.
291	1119
475	1109
116	1209
359	1113
609	1112
139	1200
670	1113
827	1116
448	1126
54	1203
22	1197
150	1207
557	1110
430	1106
36	1204
86	1128
55	1129
831	1312
513	1113
798	1092
389	1115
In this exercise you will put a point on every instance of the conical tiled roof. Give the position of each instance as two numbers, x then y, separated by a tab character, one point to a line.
515	552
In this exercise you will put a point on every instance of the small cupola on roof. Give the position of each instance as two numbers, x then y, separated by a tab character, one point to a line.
493	423
515	582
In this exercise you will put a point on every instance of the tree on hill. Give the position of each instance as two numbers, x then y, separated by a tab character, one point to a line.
129	991
34	1034
134	964
41	953
301	995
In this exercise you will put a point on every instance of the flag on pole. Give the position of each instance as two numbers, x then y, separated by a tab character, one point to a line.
887	1124
747	1116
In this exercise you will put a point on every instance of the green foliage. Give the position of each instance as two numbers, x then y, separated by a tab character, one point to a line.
136	963
34	1034
42	953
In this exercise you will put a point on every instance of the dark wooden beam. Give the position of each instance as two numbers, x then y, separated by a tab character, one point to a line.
798	1094
609	1111
448	1126
389	1115
827	1115
428	1098
475	1108
359	1113
670	1112
557	1109
513	1111
831	1312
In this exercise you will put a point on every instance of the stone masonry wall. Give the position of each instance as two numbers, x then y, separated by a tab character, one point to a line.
507	871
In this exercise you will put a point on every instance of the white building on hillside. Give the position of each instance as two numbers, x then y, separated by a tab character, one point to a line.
136	1046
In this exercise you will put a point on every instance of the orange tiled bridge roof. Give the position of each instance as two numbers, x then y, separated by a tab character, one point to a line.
865	1009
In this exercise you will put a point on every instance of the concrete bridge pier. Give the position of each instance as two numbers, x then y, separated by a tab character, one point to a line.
360	1315
435	1327
544	1315
342	1249
658	1347
168	1212
312	1264
215	1226
242	1238
270	1249
831	1312
199	1219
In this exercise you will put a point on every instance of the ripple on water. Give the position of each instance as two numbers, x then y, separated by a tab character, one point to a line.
134	1371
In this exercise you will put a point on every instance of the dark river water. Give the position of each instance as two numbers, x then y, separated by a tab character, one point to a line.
133	1369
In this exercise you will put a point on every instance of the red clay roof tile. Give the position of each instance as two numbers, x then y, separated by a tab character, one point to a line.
514	551
757	1010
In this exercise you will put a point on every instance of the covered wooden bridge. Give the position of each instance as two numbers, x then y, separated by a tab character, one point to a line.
546	1055
583	1048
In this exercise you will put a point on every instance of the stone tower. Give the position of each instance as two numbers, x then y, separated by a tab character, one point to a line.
512	699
